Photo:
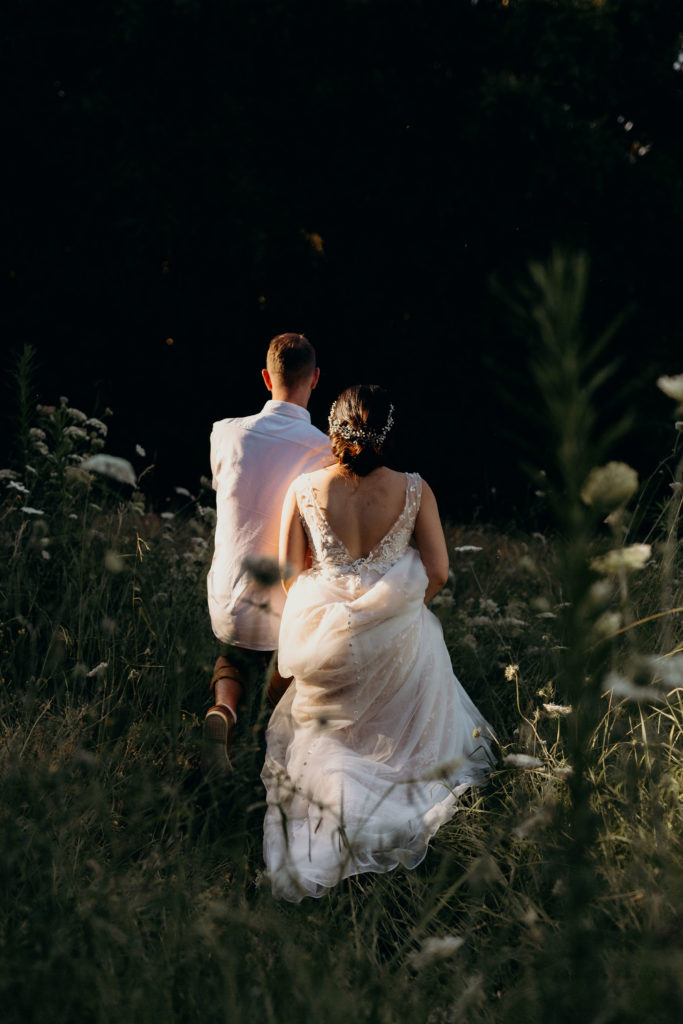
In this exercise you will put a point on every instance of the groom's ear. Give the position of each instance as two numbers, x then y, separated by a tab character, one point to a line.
316	377
267	379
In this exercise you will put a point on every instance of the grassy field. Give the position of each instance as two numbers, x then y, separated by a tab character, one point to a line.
132	886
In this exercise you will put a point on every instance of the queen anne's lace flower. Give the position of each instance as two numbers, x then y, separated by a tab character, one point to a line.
610	486
633	557
672	386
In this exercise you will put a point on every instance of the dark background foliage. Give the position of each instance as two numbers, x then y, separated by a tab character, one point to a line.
188	178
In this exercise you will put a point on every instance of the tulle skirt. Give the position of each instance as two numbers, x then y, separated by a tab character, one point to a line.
372	744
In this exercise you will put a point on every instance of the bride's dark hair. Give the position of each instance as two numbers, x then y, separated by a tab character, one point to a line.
360	428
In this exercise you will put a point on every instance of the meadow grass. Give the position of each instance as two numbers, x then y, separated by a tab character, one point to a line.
132	885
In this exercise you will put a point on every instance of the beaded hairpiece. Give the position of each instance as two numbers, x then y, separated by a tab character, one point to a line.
360	433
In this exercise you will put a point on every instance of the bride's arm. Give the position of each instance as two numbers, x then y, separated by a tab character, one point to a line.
293	541
431	542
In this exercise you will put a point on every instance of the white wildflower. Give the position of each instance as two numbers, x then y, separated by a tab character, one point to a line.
672	386
557	710
8	474
78	432
633	557
97	425
77	416
140	450
563	771
627	690
98	670
168	515
679	425
510	620
46	555
17	486
111	466
444	599
113	562
610	486
208	514
435	949
182	490
32	511
522	761
36	434
41	447
468	547
669	670
487	606
546	615
607	624
511	672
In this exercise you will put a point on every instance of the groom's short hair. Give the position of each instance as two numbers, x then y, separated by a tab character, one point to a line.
290	359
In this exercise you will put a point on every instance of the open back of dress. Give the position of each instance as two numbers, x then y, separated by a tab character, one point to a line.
375	739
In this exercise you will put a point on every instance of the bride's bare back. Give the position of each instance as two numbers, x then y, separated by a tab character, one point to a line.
360	509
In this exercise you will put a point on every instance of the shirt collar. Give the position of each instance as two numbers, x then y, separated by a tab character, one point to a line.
295	412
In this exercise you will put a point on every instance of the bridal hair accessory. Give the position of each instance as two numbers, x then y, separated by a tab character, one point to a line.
350	433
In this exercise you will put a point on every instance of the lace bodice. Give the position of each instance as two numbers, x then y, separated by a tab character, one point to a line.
330	554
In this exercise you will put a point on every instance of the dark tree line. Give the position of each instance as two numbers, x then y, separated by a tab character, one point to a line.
215	172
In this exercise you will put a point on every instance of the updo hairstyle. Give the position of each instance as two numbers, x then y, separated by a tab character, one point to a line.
360	428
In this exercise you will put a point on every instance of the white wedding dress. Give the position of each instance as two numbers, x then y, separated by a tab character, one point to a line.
375	739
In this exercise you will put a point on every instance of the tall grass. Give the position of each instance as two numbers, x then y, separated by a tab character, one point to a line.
131	884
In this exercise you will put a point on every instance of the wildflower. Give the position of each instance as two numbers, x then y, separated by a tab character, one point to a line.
442	599
557	710
32	511
112	466
76	432
77	416
41	447
672	386
488	606
8	474
97	425
434	949
633	557
208	514
669	670
264	571
563	771
476	733
627	690
17	486
36	434
607	624
182	490
511	672
113	562
98	670
679	425
610	486
522	761
468	547
46	555
168	515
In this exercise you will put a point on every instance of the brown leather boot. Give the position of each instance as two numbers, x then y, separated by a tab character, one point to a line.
219	722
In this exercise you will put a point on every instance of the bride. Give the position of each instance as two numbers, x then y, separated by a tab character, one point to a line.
372	744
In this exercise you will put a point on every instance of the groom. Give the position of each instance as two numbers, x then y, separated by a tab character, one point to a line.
253	460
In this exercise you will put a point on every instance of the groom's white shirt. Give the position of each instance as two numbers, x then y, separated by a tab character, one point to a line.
253	460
